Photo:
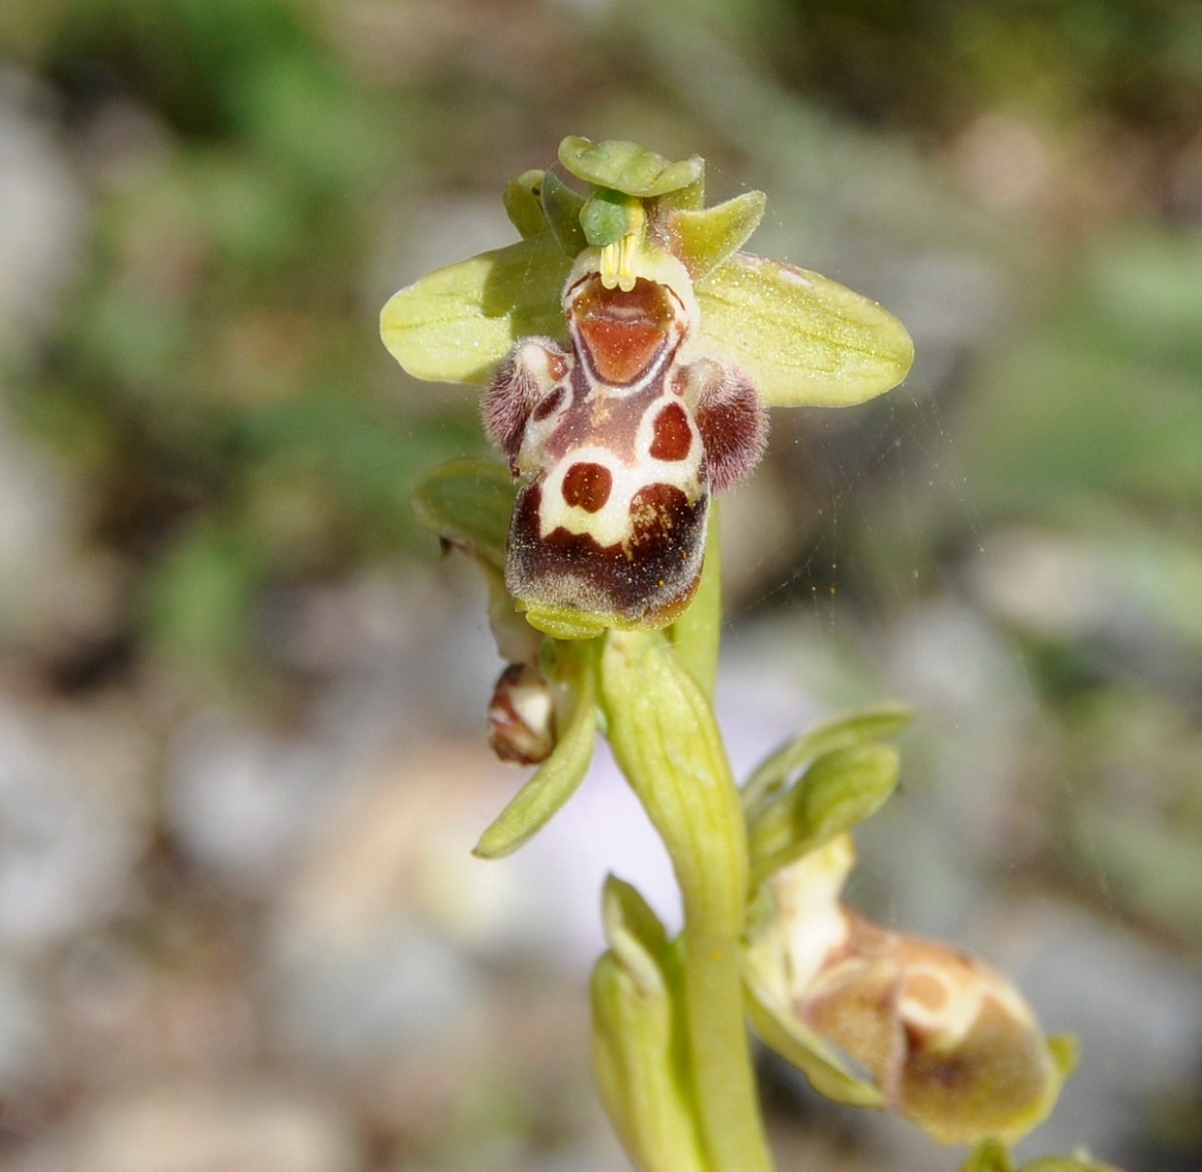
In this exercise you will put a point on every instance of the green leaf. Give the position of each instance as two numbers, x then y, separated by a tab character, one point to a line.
842	732
840	789
457	323
468	504
523	204
705	237
627	167
541	798
804	340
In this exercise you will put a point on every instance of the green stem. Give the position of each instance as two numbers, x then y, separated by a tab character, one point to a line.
666	741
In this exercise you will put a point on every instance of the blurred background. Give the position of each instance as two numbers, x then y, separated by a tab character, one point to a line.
241	697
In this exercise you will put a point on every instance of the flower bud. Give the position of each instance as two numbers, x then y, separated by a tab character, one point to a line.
521	716
948	1042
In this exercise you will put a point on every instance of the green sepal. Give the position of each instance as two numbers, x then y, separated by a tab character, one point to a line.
608	216
804	340
640	1053
822	1064
627	167
523	204
457	323
840	789
468	503
562	207
841	732
560	775
705	237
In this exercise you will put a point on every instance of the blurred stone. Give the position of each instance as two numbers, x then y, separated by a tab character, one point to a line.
75	816
39	529
200	1127
379	930
22	1029
240	797
41	231
1136	1011
172	991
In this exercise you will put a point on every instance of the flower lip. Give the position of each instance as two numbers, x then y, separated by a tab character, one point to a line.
623	333
646	263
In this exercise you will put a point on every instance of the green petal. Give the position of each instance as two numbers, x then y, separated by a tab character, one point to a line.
627	167
523	205
468	504
803	339
559	776
562	207
457	323
704	238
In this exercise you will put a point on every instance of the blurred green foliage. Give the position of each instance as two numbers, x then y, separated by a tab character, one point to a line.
261	174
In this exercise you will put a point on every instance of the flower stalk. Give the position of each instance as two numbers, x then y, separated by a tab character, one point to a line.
630	352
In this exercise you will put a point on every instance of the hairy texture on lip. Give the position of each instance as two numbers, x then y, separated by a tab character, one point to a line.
733	424
531	369
649	579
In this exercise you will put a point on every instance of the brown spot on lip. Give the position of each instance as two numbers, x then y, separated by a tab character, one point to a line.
673	438
647	580
549	404
587	486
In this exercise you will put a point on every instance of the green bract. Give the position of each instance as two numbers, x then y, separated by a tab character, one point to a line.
639	1047
803	339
